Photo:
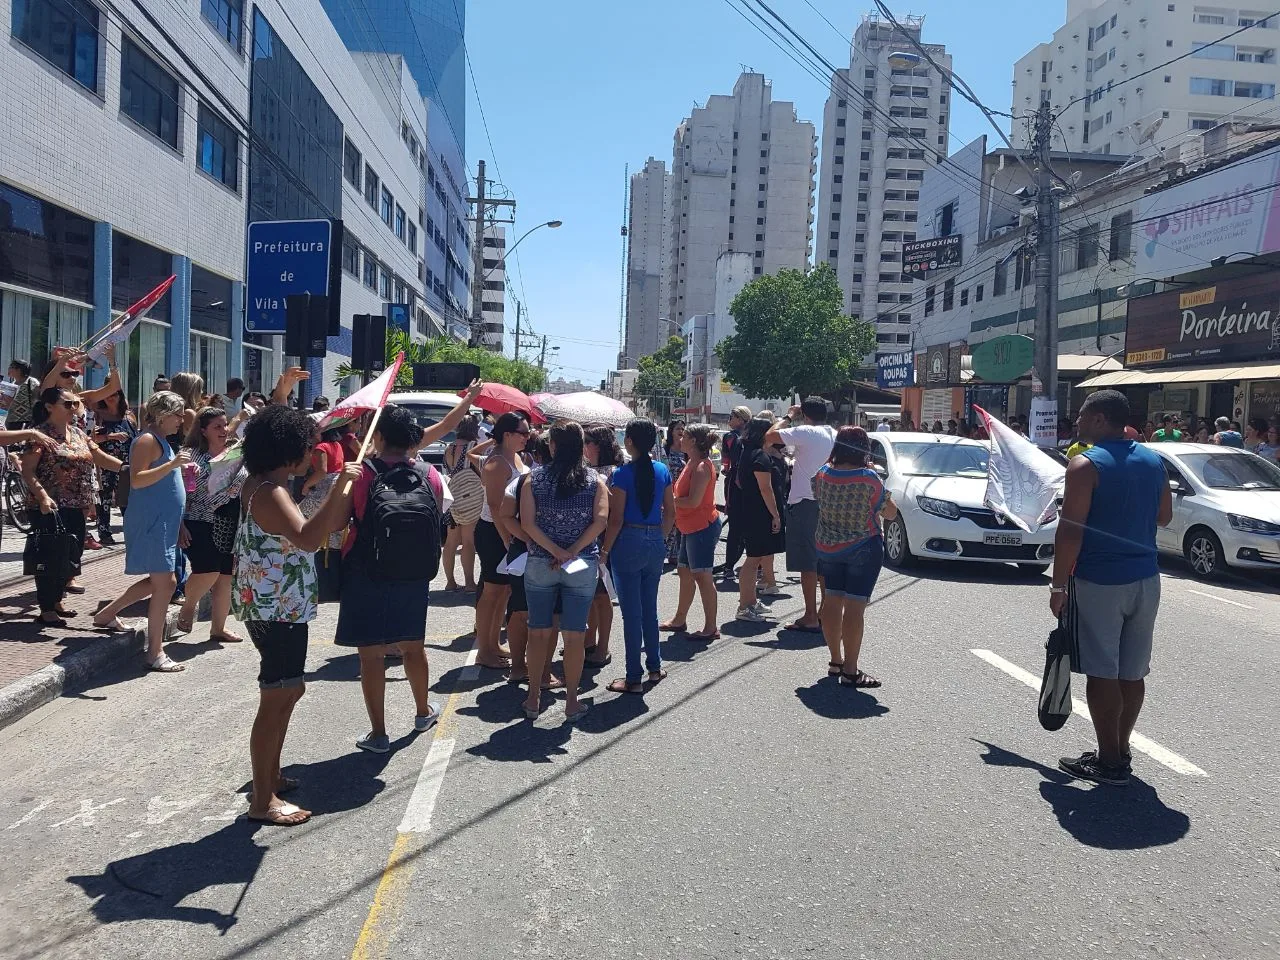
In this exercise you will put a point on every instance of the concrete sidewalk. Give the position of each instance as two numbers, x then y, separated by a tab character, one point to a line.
39	662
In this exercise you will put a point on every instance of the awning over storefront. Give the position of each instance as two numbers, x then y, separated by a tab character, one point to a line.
1121	378
1086	363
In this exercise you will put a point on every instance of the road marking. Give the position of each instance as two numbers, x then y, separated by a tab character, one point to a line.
29	814
389	898
88	814
1234	603
1138	742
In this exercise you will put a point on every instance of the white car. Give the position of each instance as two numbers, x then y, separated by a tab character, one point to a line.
430	408
1226	508
939	482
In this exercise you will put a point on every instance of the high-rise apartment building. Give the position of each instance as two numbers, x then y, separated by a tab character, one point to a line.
885	123
494	288
648	262
741	181
1090	73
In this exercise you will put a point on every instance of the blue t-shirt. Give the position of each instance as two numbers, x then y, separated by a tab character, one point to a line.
1119	543
1230	438
624	479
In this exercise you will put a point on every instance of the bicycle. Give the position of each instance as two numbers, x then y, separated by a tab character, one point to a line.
13	495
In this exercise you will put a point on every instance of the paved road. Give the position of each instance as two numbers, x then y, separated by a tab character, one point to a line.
745	807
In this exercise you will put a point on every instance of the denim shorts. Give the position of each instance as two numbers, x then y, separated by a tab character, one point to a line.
545	582
853	574
698	550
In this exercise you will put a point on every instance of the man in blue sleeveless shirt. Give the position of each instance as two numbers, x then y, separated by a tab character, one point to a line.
1116	495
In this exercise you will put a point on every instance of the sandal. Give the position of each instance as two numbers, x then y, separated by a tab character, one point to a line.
670	627
285	815
577	714
165	664
859	680
64	612
226	638
555	683
603	662
73	588
800	627
57	621
657	676
834	669
621	686
116	625
713	635
183	626
532	713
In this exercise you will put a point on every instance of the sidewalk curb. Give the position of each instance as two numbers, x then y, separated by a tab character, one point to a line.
23	696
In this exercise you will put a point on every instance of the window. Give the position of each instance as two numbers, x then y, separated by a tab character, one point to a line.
350	255
759	238
842	103
840	121
371	183
889	278
370	271
1121	236
1001	282
1214	51
964	298
836	197
1204	123
928	301
64	32
947	219
760	206
763	171
1254	91
862	197
388	203
148	94
839	141
219	148
869	73
977	294
833	254
948	295
384	283
835	235
1214	18
225	16
352	163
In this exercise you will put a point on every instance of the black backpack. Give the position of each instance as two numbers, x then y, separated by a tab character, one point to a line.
401	526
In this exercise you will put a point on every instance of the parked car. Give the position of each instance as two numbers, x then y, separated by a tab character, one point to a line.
428	409
939	483
1226	508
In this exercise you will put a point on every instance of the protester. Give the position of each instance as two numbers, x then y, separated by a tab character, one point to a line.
563	510
811	439
114	433
25	396
1270	447
641	512
699	523
502	464
328	457
1168	432
230	399
152	525
320	405
730	450
1105	570
601	450
389	559
852	501
190	387
759	479
883	426
274	589
468	501
1149	430
59	479
160	383
1228	434
208	550
675	459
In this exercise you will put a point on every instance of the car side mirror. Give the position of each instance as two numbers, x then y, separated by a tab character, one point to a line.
1177	489
880	469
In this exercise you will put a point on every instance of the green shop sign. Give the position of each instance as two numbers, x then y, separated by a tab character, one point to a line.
1003	359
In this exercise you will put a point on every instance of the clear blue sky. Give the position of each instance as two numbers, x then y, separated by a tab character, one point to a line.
574	90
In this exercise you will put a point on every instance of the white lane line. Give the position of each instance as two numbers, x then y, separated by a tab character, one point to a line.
422	802
1234	603
1138	742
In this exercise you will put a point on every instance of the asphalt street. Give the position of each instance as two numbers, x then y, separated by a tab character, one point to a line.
747	806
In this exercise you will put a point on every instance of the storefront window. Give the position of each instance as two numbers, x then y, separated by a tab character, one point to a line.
143	359
30	327
210	303
210	358
45	248
137	268
260	371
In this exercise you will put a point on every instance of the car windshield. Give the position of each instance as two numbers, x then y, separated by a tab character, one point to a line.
1224	471
429	414
941	459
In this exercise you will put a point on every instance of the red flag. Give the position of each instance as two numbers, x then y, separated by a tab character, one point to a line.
367	398
117	332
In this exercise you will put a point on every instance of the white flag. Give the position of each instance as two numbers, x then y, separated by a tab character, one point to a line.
1022	480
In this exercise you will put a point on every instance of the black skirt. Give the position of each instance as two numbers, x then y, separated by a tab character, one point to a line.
374	611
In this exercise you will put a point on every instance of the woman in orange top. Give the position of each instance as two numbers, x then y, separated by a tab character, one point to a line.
699	522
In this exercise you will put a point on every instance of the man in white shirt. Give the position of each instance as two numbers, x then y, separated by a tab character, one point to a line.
883	426
804	429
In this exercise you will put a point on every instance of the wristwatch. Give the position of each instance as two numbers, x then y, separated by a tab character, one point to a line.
1053	589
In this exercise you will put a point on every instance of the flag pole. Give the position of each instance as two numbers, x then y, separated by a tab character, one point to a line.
364	445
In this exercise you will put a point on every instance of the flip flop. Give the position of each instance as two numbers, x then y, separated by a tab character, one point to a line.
226	638
165	664
657	676
285	815
713	635
55	622
799	627
673	628
578	714
116	625
608	659
621	686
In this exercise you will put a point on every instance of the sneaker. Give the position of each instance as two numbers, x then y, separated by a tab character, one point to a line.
1128	759
107	540
91	543
750	614
1088	767
422	724
379	744
770	590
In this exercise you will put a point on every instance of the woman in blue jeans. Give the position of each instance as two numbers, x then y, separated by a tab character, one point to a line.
563	509
642	512
851	502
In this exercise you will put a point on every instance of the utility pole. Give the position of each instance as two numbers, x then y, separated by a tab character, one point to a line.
518	329
542	359
1044	381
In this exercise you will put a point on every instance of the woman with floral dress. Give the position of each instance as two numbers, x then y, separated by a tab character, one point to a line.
116	430
274	588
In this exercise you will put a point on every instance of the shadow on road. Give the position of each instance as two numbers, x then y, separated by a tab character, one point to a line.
828	699
1246	581
1111	818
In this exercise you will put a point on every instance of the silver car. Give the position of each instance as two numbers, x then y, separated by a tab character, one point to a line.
1226	508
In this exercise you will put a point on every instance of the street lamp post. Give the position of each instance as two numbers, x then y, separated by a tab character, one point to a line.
477	296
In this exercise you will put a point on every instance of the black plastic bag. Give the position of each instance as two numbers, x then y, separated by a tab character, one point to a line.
48	549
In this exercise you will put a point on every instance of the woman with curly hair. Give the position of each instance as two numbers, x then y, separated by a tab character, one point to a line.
274	588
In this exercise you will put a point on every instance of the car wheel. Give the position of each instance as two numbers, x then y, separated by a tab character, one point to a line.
1203	551
897	548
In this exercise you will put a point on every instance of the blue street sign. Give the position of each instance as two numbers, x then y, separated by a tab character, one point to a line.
285	257
895	370
397	316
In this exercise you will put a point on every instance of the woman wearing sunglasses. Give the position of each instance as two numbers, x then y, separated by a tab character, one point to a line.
60	481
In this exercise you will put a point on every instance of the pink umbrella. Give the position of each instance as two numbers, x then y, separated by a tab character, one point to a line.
587	407
499	398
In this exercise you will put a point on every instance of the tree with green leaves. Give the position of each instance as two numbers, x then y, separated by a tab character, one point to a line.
494	367
793	336
660	376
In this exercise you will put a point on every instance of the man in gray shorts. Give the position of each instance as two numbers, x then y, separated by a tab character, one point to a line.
1106	579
